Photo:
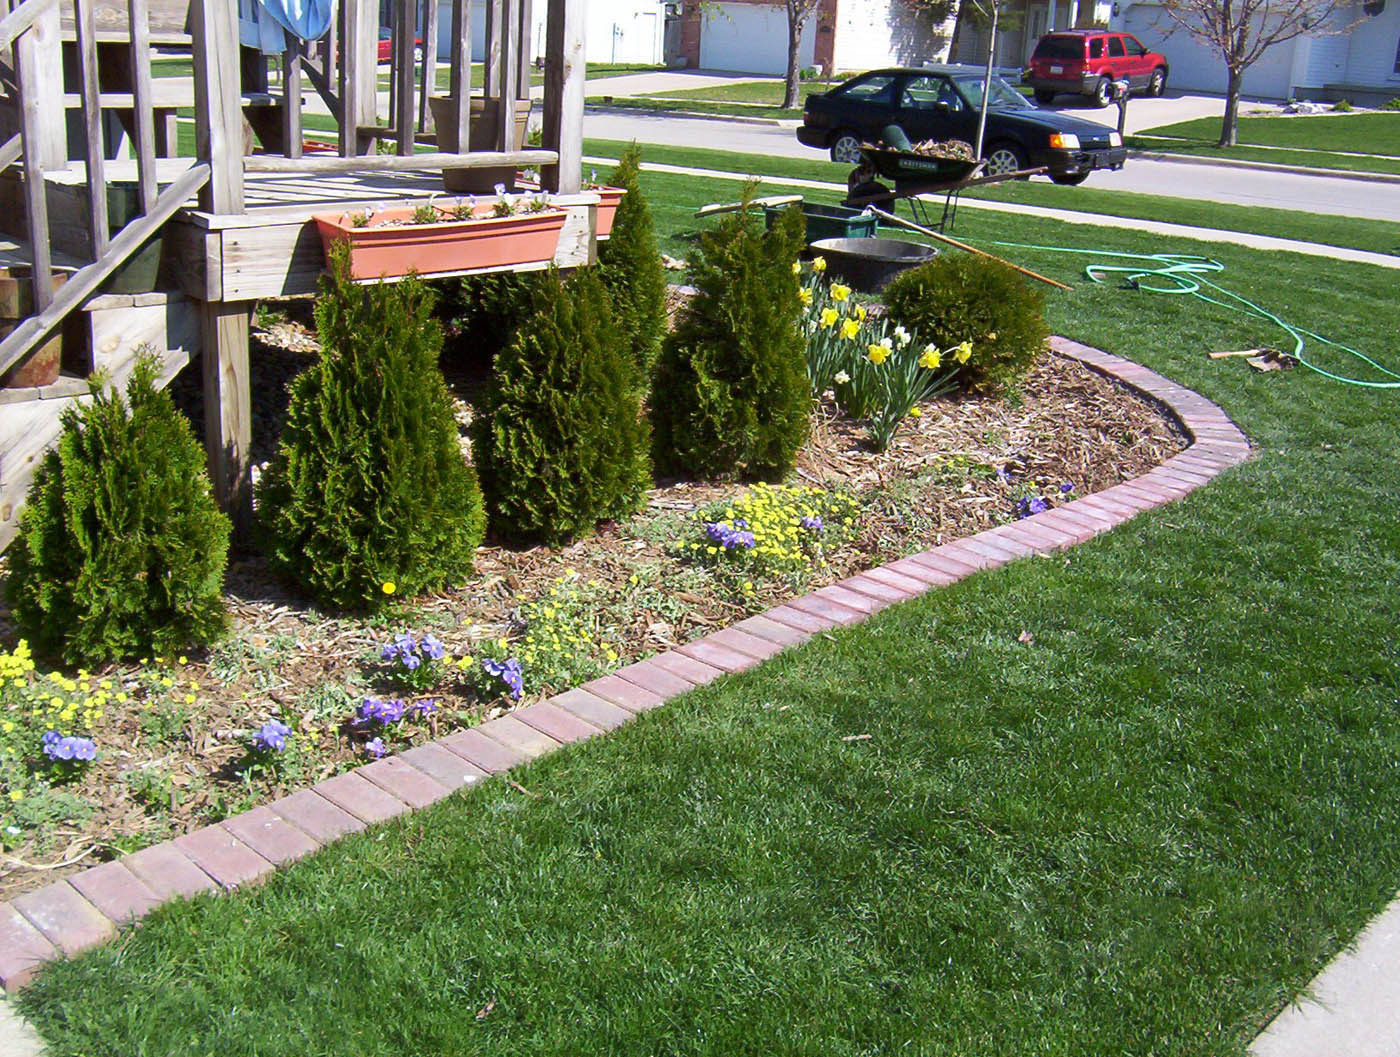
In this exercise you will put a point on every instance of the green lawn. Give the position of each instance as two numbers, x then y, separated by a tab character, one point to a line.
692	106
1376	236
1140	833
769	92
1311	141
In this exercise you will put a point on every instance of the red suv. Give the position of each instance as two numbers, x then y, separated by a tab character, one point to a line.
1088	61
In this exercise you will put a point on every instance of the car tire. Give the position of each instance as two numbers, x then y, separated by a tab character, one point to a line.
1157	83
845	148
1005	157
1103	92
1069	179
1044	95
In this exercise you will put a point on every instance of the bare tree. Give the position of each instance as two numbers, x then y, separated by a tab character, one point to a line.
798	11
1242	30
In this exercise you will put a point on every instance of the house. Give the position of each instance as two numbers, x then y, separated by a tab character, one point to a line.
1362	65
615	31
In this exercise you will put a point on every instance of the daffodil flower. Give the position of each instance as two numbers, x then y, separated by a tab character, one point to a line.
829	317
931	359
963	352
841	378
850	328
805	296
902	337
879	352
819	264
839	293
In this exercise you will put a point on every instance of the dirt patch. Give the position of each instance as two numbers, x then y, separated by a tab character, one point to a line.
173	738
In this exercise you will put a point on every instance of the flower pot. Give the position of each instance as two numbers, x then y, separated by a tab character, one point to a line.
482	138
608	198
391	245
41	366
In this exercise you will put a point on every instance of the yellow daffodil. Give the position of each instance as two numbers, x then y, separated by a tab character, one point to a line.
861	313
829	317
915	412
850	328
818	264
932	358
805	296
963	352
839	293
878	353
796	267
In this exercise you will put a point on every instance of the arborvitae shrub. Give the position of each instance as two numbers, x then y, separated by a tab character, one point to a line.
559	442
630	265
962	297
730	394
369	486
482	311
121	551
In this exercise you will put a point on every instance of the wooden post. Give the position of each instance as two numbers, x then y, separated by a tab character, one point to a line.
429	73
32	140
525	50
228	423
563	95
51	147
291	97
142	116
86	31
405	31
459	80
359	103
491	72
509	78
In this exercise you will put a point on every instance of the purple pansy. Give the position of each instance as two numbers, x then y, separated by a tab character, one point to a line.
271	736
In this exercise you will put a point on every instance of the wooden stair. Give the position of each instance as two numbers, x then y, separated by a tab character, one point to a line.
110	331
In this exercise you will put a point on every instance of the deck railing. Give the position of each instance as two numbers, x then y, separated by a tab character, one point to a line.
342	69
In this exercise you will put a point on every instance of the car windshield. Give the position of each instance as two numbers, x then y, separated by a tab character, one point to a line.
1000	95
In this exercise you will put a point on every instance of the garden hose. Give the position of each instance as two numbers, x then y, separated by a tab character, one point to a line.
1184	273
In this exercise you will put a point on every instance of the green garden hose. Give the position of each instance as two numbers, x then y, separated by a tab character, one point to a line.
1184	273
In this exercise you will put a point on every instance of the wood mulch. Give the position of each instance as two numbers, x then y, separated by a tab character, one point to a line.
170	756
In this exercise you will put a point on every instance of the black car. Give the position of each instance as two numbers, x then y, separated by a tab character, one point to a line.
941	102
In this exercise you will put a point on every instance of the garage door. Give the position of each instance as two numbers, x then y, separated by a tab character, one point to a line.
1197	68
751	38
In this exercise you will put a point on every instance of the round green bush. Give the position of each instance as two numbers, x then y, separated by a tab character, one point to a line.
121	551
369	486
559	441
730	396
962	297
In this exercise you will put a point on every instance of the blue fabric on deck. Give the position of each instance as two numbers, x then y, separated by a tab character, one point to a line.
306	19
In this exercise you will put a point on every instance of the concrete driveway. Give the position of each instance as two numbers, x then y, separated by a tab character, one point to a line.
1144	113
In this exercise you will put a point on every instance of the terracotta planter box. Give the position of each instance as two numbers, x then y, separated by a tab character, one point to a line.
608	198
389	246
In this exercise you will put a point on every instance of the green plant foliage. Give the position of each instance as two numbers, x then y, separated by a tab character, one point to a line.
121	551
483	311
730	395
560	443
630	265
961	297
369	495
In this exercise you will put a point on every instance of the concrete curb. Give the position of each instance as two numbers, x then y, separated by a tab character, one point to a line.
89	908
1266	166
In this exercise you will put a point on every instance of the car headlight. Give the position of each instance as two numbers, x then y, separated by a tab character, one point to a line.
1115	140
1064	141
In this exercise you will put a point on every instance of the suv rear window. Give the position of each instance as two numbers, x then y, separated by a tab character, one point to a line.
1059	48
1115	47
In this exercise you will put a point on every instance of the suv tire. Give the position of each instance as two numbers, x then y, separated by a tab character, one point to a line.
1157	83
1103	92
1044	95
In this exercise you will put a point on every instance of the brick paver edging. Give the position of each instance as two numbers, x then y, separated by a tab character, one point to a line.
88	908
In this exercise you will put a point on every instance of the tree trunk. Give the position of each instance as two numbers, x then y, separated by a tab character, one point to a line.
790	93
1229	127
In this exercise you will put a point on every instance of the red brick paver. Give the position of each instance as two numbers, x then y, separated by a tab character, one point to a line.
443	765
519	736
551	720
315	816
399	778
602	714
23	948
66	919
168	872
116	891
224	857
692	671
485	753
360	797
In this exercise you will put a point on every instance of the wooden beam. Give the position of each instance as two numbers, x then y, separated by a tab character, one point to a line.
406	30
359	50
217	94
509	79
459	82
525	48
381	162
92	126
563	95
36	206
228	413
47	87
21	18
143	117
491	71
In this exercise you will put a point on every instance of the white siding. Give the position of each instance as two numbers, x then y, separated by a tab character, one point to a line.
1371	48
873	33
614	30
751	38
1196	67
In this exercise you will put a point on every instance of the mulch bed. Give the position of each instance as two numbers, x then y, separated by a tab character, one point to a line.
170	756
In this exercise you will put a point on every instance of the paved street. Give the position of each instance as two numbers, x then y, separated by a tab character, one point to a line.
1238	186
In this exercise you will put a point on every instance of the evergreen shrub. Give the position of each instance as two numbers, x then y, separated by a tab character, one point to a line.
121	551
559	441
730	395
630	265
962	297
483	311
369	494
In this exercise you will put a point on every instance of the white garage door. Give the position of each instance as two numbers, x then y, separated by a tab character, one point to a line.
1197	68
751	38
